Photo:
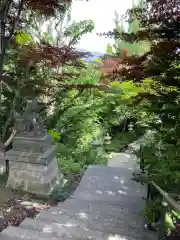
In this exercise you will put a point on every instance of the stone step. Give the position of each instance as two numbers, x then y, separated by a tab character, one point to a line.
106	218
114	174
77	205
13	233
125	160
110	184
17	233
59	230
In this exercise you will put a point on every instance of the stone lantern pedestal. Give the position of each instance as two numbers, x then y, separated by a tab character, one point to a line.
2	163
33	165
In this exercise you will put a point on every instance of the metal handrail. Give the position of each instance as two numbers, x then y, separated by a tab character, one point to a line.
167	200
167	197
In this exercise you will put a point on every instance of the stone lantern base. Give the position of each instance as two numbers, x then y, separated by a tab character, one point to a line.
2	164
33	165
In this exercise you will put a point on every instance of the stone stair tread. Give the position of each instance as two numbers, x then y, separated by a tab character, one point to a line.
76	205
73	207
109	184
69	229
14	233
107	195
109	237
73	230
105	206
99	217
110	174
124	160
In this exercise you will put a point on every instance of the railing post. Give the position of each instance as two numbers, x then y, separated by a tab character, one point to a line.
142	165
161	228
149	187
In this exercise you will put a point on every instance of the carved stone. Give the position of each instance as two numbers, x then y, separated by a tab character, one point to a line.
33	165
2	159
30	124
2	164
32	160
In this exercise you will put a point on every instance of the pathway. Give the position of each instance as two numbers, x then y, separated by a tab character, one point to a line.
105	206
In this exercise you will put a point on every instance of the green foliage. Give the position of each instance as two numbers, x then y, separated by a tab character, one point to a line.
3	179
60	193
79	160
23	38
56	135
120	142
98	60
155	99
151	210
135	48
77	29
27	76
47	38
80	116
110	49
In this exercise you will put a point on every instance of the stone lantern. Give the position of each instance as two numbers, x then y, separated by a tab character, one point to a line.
32	160
96	144
107	139
2	163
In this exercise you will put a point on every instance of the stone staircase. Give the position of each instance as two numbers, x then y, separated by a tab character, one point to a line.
105	205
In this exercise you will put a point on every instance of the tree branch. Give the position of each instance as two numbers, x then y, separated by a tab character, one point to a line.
80	86
5	40
70	103
9	140
9	118
20	8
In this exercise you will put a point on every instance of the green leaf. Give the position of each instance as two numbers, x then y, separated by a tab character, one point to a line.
55	134
148	80
109	49
47	38
129	90
99	60
115	84
23	38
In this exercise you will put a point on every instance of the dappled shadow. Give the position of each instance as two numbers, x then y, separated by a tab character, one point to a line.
73	230
112	185
105	205
117	237
92	221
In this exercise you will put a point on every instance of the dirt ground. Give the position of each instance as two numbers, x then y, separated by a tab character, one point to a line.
16	206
